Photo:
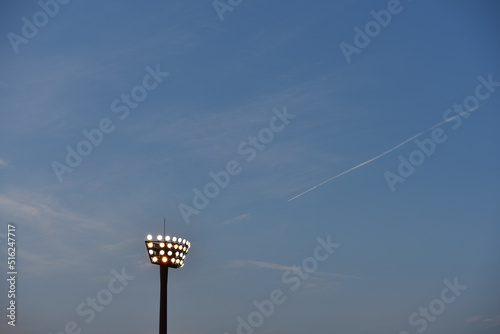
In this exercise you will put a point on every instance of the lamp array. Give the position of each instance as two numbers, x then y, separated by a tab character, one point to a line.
166	250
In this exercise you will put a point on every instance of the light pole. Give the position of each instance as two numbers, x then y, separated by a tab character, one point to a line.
166	252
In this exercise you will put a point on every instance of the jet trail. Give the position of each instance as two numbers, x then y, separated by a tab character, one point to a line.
379	156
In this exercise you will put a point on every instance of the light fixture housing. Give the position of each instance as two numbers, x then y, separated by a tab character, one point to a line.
155	251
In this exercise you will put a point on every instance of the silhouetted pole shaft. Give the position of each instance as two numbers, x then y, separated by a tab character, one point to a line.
163	298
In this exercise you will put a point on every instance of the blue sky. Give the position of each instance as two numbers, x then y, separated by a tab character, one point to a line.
227	80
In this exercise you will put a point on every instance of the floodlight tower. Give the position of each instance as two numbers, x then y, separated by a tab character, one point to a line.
166	252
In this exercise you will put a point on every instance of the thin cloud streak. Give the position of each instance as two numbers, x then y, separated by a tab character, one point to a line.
379	156
274	266
473	319
237	219
44	210
492	322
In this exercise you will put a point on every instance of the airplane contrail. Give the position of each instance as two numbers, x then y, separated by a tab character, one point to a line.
380	155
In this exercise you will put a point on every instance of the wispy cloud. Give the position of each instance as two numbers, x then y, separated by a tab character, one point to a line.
473	319
237	219
484	322
274	266
2	163
43	210
492	322
59	238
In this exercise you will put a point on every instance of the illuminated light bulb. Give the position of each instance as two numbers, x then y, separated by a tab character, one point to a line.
155	259
149	237
169	245
167	238
151	252
162	245
150	245
164	259
177	261
173	260
162	252
176	246
174	239
182	254
169	253
159	237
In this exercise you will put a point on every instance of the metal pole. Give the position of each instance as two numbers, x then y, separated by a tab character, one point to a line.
163	298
